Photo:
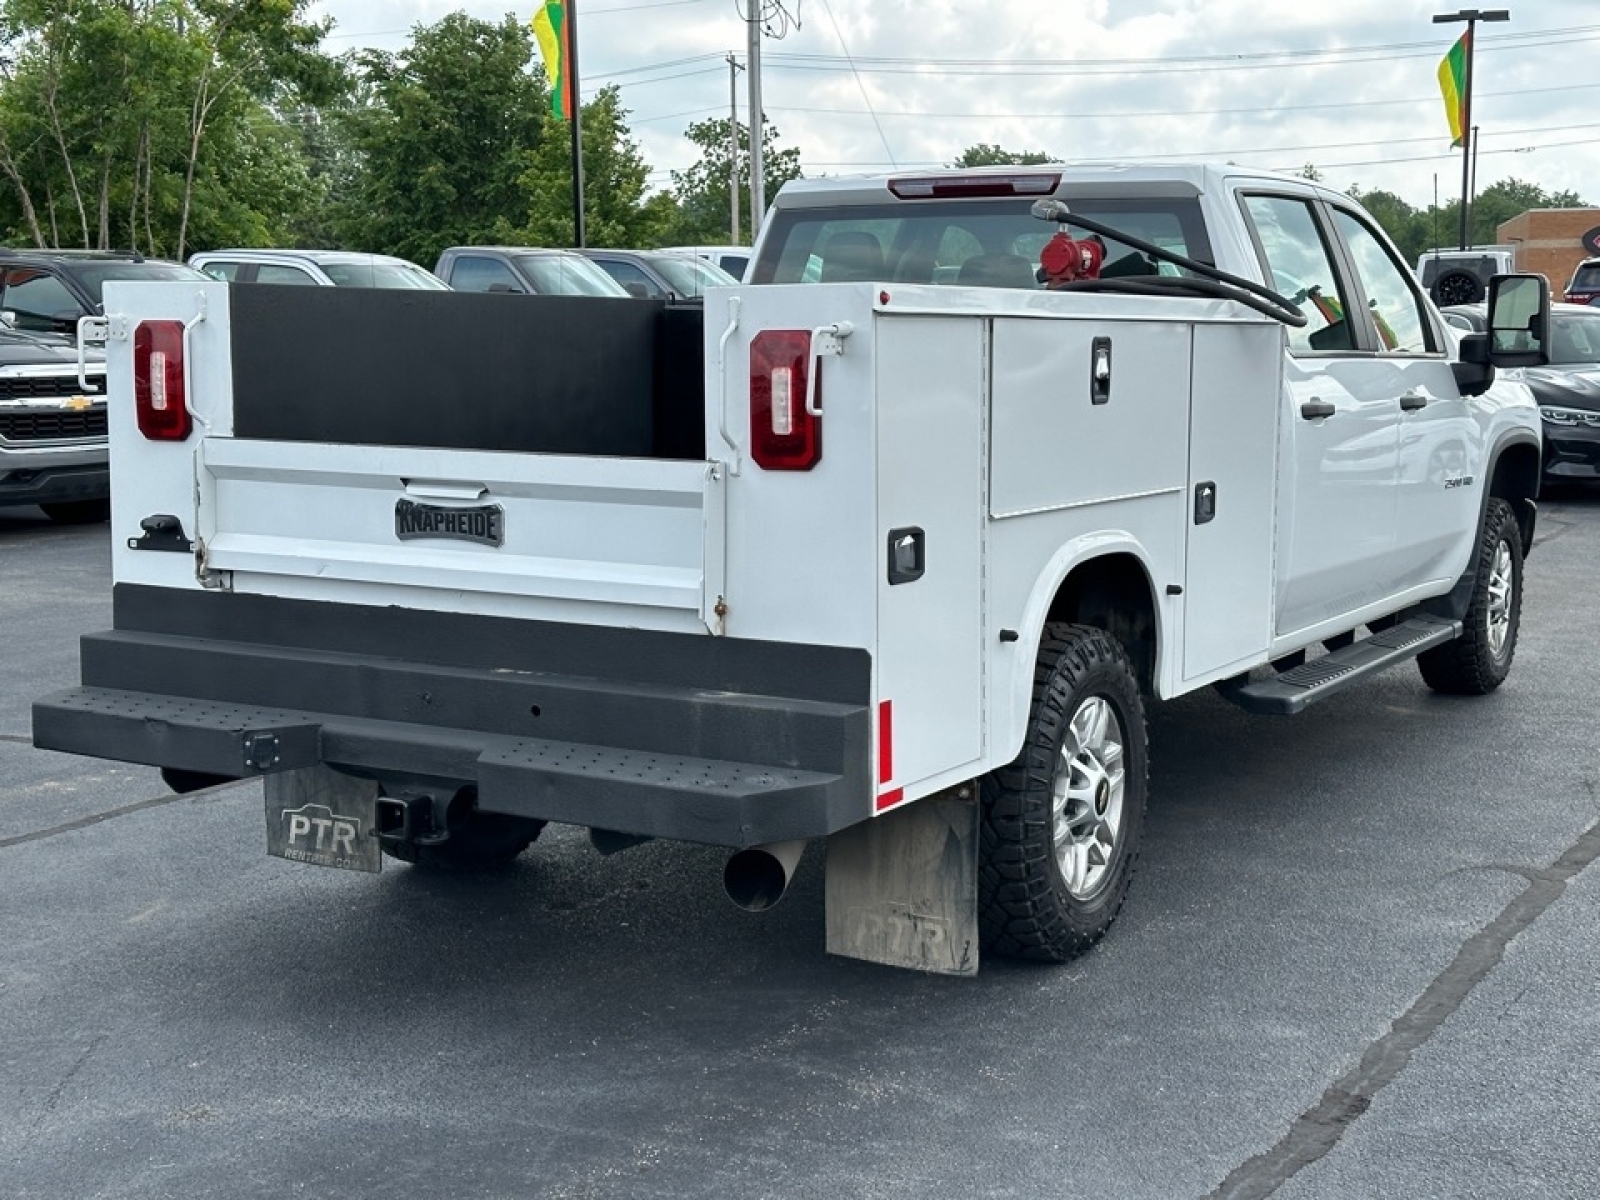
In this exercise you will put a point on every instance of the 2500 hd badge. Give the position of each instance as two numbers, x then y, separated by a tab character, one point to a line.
484	524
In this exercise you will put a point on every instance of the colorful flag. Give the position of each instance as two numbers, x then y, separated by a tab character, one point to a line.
550	31
1453	83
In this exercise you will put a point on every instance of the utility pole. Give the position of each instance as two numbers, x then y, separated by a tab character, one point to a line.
1469	135
578	239
758	184
733	148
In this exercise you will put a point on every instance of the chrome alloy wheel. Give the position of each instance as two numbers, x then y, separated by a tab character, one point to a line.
1086	809
1500	583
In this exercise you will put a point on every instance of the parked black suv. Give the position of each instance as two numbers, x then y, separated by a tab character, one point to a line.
48	290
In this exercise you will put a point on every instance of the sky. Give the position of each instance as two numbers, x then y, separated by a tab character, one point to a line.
865	86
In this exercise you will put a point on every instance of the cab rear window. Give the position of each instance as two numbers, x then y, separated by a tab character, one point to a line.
989	243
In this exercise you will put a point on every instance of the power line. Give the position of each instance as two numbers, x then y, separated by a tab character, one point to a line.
587	14
1101	114
1299	56
1097	68
860	83
1207	155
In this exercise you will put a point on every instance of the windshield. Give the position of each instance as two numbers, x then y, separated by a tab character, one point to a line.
690	276
1574	339
95	275
988	243
1587	276
568	275
383	275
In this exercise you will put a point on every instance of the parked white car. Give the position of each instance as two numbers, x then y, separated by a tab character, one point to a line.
316	268
732	259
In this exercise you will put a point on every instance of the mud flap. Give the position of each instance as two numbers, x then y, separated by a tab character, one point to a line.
325	817
902	889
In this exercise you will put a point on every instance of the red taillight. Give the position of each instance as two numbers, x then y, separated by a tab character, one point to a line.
159	401
783	435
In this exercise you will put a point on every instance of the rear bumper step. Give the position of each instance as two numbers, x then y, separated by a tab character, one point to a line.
725	741
1294	689
650	794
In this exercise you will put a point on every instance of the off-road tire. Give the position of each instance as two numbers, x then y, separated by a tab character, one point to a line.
1477	662
78	512
1025	907
1457	287
478	841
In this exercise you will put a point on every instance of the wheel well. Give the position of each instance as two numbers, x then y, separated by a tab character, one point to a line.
1516	479
1113	593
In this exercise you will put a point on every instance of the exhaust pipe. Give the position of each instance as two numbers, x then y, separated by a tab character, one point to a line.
757	878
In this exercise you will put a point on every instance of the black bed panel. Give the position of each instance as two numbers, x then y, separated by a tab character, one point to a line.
539	374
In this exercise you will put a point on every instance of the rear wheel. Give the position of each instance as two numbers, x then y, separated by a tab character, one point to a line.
1061	824
78	512
1479	660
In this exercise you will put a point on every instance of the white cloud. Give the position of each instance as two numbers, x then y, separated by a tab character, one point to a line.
1097	79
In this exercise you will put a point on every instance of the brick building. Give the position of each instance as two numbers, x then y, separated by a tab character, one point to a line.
1550	241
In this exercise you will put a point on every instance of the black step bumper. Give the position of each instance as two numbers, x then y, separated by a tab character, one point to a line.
663	735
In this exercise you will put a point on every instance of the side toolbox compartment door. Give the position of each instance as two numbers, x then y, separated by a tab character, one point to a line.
1233	447
931	397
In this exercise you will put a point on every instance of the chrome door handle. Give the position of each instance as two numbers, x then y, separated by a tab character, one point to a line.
1414	400
1312	409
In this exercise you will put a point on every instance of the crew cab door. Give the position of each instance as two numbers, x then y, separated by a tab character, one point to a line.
1439	443
1336	495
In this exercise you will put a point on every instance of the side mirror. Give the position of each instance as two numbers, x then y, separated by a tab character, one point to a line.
637	290
1519	320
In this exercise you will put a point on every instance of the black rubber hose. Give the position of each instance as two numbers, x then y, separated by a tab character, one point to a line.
1276	306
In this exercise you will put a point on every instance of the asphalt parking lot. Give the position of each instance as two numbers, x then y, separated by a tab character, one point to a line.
1360	960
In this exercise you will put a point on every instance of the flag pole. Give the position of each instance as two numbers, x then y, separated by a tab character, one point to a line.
1468	135
571	31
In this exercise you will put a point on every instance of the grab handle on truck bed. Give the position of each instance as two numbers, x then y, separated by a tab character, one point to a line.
825	340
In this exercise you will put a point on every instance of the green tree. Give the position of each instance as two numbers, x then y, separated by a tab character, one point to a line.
1407	228
701	191
118	118
443	131
614	211
986	155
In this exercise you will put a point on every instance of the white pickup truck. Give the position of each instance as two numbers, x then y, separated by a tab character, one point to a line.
889	547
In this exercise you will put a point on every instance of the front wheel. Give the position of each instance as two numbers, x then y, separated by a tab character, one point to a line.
1061	824
1479	660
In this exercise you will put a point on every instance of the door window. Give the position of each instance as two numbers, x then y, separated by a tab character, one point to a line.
625	273
473	273
228	272
39	300
274	273
1299	266
1396	307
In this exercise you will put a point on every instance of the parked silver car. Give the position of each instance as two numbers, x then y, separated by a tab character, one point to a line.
316	268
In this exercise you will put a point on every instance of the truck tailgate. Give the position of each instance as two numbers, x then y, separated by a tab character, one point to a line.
576	537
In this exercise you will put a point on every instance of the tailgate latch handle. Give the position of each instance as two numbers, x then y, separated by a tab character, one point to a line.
825	340
162	531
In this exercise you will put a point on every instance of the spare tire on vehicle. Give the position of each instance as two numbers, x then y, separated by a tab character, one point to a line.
1457	287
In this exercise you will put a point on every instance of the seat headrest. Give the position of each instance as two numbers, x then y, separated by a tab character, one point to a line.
997	270
852	258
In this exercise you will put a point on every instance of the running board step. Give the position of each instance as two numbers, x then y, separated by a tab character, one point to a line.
1294	689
